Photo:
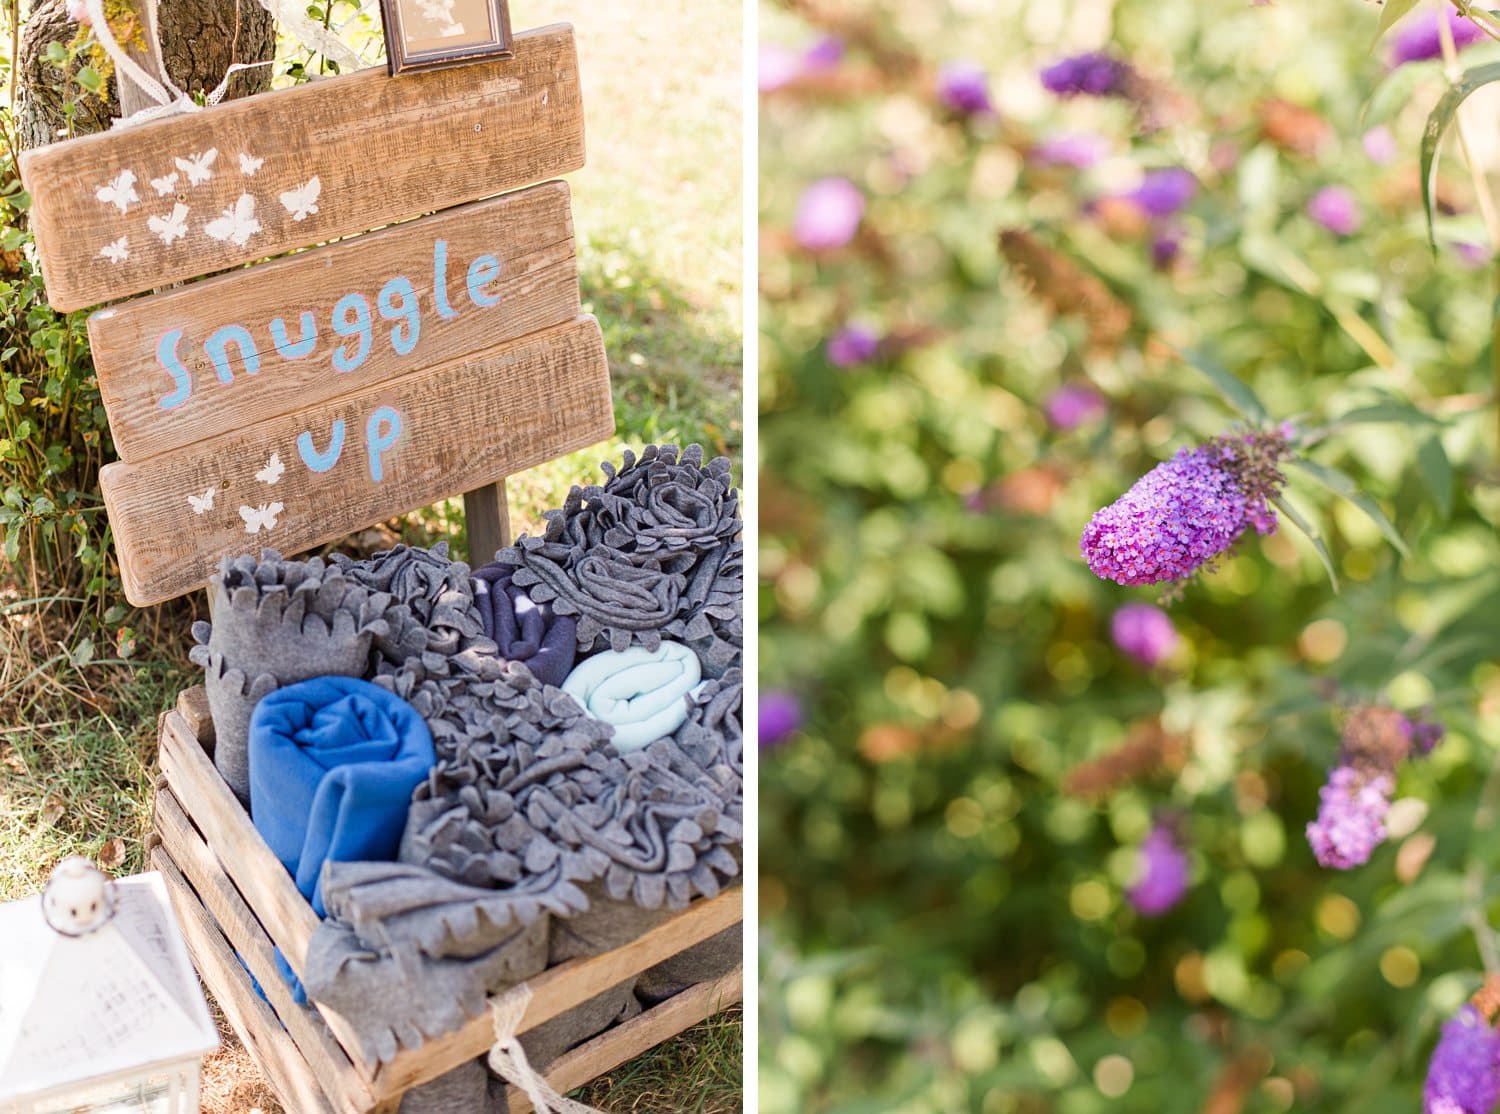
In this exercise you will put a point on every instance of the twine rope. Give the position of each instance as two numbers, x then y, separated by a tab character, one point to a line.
508	1059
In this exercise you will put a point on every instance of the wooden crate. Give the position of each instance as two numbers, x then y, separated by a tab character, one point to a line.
237	905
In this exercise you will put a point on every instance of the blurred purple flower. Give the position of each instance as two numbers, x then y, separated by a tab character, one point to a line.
1095	74
780	716
851	345
1463	1076
1072	404
1473	255
1424	734
1351	817
1420	39
1335	208
1076	149
1145	632
1186	511
777	67
823	54
1166	246
1162	193
1164	874
964	88
1380	145
828	214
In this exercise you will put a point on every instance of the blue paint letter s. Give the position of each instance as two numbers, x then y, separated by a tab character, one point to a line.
378	440
166	355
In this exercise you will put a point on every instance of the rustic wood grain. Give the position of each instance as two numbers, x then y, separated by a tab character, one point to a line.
486	522
383	149
626	1041
561	988
226	827
192	705
463	424
347	1091
273	1049
530	233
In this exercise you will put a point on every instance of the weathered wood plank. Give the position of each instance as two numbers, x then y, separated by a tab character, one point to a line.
226	827
192	705
319	324
338	156
486	522
404	444
270	1045
563	987
625	1042
347	1091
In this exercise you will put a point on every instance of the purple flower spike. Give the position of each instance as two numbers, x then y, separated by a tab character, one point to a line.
828	214
1419	38
1165	248
1186	511
1095	74
1073	404
1079	150
1463	1076
780	717
824	54
1164	874
1335	208
852	345
1424	734
1145	632
1351	817
1163	193
964	88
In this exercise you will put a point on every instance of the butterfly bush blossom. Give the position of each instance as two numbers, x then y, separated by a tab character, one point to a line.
964	89
828	214
1463	1076
1187	511
853	345
1095	74
1164	873
1353	803
1144	632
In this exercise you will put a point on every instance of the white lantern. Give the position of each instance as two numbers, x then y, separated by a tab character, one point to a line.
100	1009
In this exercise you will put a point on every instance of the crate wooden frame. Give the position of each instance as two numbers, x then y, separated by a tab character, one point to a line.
238	905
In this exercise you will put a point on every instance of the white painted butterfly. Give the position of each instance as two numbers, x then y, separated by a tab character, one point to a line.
237	224
272	471
249	164
260	518
196	166
303	201
165	184
120	191
117	252
204	502
171	226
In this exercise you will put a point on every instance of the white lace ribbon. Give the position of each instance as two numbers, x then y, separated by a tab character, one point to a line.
170	99
508	1058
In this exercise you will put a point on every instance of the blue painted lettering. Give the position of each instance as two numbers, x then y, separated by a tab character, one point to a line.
351	318
166	355
306	344
378	439
485	268
217	347
322	462
408	311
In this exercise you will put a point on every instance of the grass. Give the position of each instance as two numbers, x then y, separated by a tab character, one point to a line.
657	212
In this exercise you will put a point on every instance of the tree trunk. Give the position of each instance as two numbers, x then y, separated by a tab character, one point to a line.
200	39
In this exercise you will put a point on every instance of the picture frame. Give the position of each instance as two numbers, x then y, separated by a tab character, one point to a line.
433	34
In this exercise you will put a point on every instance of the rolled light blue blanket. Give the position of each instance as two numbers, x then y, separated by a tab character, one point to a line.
643	694
333	762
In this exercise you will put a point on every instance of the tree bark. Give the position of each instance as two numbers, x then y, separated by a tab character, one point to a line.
200	39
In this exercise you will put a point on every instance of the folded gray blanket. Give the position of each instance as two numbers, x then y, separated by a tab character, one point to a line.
433	600
274	622
651	552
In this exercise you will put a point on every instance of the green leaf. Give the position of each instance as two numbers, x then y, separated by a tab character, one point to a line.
1391	95
88	78
1437	474
1341	485
1391	410
1235	391
1311	532
57	54
1393	11
1437	125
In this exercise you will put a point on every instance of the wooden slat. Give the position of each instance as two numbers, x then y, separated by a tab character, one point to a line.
561	988
271	1046
461	425
486	523
268	888
529	234
626	1041
383	149
192	705
247	936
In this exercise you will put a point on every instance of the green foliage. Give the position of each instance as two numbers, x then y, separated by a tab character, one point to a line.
947	928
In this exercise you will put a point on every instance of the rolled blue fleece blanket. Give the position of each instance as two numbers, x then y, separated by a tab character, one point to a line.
333	762
643	694
523	629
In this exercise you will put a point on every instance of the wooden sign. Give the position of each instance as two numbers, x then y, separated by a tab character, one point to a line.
220	355
316	474
195	193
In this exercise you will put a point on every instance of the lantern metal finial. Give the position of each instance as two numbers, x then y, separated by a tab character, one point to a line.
79	898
